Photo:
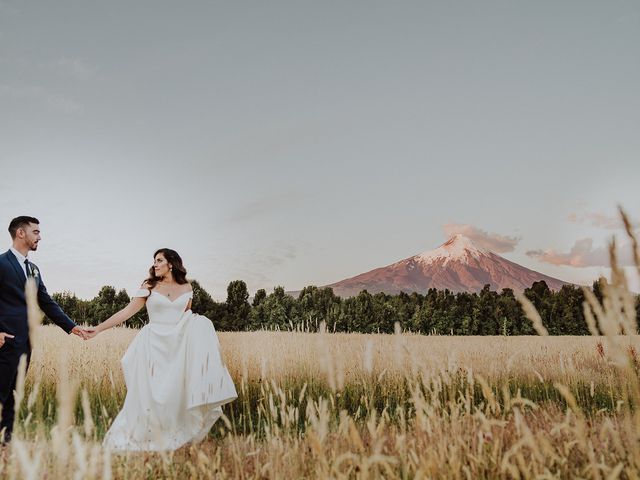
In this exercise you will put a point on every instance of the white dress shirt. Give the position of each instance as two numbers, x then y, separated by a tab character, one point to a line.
21	258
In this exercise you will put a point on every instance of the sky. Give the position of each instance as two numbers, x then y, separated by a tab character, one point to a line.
299	143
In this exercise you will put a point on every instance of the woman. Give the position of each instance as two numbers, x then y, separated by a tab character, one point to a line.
175	376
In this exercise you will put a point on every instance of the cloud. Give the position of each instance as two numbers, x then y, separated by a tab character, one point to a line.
583	254
40	94
490	241
600	220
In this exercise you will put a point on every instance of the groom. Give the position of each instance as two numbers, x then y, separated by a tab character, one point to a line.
15	268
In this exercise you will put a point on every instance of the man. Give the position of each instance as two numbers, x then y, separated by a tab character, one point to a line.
15	268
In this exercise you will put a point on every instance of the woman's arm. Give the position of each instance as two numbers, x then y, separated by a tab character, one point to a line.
126	313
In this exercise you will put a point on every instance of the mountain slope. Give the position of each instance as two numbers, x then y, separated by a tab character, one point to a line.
458	265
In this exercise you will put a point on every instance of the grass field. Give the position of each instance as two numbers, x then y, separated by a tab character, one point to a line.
349	405
319	405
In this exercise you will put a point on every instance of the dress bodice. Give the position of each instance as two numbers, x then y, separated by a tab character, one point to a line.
163	310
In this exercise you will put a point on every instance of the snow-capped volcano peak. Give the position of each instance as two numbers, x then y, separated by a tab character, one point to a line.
458	265
458	247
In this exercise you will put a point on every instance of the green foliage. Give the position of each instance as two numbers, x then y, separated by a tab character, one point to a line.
436	312
204	304
237	307
259	297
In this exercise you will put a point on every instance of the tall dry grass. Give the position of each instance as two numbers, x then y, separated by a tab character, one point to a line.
361	406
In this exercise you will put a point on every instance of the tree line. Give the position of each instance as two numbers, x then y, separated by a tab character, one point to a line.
441	312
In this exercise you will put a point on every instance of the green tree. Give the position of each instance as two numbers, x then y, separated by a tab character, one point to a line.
362	321
75	308
277	311
567	311
105	304
385	314
237	306
484	317
509	310
259	297
541	297
316	305
203	304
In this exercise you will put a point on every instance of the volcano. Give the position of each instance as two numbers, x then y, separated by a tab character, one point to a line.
458	265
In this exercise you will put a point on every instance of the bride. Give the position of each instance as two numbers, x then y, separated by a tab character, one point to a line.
174	372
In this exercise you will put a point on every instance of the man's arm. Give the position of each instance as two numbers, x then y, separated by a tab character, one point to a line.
53	310
2	268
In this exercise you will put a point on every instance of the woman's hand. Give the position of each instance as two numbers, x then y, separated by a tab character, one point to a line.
91	332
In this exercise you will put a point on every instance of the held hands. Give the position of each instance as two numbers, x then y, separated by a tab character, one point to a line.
84	333
91	332
3	336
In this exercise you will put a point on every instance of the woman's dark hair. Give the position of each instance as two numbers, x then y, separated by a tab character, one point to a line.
177	269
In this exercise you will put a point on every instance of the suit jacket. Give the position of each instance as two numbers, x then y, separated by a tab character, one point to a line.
13	305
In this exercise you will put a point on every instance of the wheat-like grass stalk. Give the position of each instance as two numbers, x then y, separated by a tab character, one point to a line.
635	249
34	314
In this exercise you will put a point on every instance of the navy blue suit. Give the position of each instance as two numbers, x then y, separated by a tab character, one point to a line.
13	320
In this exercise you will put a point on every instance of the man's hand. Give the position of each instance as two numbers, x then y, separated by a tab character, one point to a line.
81	332
3	336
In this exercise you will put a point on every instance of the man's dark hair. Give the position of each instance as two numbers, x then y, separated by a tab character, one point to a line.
20	222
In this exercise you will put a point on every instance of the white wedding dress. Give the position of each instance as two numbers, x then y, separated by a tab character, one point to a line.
176	379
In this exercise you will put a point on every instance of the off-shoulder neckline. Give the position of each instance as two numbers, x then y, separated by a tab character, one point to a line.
175	299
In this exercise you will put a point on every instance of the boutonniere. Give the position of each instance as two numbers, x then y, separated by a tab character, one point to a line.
35	273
